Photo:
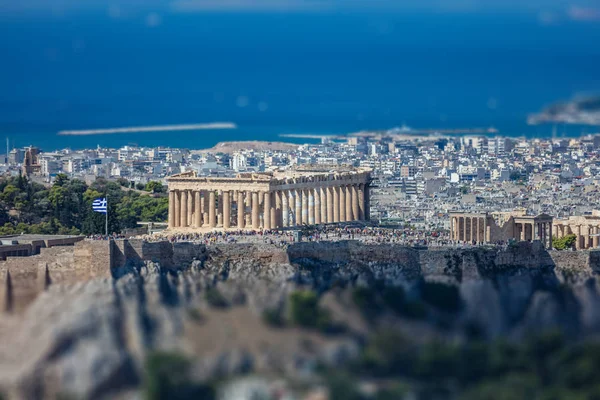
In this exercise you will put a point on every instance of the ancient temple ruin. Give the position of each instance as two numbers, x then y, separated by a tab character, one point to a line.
500	227
268	200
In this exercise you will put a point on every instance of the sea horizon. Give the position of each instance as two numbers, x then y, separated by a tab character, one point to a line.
278	73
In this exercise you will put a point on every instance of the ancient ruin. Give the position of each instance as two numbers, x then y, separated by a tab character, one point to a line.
500	227
586	228
268	200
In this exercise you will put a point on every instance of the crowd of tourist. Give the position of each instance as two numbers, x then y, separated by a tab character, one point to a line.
408	237
367	235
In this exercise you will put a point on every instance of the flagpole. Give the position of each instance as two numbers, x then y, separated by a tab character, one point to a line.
106	222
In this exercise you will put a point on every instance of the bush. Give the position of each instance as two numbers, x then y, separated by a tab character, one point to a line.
304	308
388	353
304	311
395	298
441	296
518	386
437	360
413	309
154	187
371	304
474	362
342	386
195	315
167	376
564	243
394	392
274	318
214	298
543	367
366	300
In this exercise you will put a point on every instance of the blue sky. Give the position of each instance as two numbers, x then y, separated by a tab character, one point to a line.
568	9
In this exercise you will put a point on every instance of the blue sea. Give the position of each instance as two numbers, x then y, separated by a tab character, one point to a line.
280	73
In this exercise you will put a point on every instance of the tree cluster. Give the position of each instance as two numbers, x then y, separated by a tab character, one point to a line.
564	243
66	206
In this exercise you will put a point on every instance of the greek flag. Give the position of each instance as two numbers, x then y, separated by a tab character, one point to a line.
99	205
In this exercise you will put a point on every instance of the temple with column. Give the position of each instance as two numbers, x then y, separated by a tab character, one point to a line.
585	228
268	200
480	228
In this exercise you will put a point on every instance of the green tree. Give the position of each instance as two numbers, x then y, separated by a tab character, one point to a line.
154	187
565	242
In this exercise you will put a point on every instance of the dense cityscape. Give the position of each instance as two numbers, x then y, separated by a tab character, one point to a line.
417	181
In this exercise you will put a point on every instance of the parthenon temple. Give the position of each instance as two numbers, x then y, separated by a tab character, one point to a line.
268	200
500	227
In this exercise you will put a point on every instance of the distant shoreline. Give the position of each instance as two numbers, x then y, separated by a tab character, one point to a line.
156	128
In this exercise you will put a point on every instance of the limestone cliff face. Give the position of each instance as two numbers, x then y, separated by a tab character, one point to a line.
89	338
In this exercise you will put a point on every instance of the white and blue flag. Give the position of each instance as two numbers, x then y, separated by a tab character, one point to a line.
99	205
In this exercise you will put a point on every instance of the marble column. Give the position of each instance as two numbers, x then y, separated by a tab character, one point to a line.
336	204
586	237
488	232
596	240
468	229
285	208
274	212
317	196
240	210
226	209
204	208
329	202
455	227
579	234
324	205
212	211
171	209
472	238
278	209
177	221
292	205
184	205
355	203
267	211
197	210
361	202
255	211
305	206
349	210
311	207
298	212
343	205
190	208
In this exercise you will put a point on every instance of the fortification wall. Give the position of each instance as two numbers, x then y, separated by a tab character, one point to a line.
169	255
23	278
90	259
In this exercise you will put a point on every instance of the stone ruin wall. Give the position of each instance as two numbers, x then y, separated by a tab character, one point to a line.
102	259
23	278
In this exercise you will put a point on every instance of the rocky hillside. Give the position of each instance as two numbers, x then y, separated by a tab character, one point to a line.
240	308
